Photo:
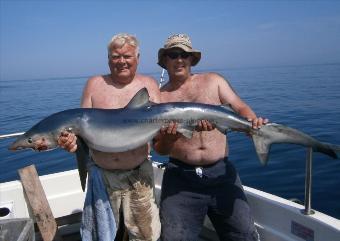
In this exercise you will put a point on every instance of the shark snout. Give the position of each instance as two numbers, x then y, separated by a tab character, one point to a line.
14	146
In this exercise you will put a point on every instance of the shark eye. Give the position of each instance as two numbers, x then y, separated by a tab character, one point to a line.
29	140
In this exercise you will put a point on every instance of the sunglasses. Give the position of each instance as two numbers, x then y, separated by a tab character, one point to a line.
175	55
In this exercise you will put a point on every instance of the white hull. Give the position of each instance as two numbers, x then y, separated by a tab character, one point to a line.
277	219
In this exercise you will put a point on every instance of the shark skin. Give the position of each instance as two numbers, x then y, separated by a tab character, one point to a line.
124	129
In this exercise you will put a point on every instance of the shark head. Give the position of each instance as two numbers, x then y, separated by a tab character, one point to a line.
41	137
35	141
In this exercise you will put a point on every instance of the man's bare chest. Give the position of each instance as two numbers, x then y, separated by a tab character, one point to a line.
111	100
192	95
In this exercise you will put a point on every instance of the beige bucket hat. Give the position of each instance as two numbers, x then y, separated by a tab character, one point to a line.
181	41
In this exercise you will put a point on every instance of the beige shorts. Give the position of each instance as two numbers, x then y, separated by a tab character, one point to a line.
132	192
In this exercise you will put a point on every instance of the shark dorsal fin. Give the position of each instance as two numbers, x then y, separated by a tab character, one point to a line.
140	99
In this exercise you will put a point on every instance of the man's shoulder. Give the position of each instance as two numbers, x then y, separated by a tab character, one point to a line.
146	81
166	87
208	75
97	78
95	81
208	78
145	78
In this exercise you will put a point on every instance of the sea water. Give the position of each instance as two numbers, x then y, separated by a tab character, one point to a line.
303	97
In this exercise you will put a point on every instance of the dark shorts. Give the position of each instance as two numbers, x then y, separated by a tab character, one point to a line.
190	193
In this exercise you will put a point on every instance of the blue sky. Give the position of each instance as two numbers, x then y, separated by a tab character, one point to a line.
42	39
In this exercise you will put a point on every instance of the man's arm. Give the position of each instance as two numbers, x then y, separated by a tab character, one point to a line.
67	140
166	138
228	96
86	99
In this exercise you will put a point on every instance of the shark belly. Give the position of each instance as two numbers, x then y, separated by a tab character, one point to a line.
119	138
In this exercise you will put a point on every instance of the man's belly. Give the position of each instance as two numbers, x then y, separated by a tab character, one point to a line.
122	160
201	149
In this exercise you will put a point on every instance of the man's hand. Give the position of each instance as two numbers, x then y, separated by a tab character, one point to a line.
258	122
171	129
68	141
167	136
204	125
170	132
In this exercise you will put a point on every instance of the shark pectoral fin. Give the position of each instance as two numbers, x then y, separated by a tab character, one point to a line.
186	132
83	158
262	147
224	130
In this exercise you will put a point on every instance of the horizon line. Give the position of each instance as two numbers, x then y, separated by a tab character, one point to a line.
156	72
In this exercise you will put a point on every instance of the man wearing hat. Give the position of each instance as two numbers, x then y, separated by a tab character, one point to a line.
199	179
127	176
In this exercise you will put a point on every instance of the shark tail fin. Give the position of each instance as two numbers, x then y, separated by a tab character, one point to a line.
328	149
262	147
336	149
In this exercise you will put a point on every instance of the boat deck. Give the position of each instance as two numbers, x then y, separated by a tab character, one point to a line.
206	235
71	233
67	205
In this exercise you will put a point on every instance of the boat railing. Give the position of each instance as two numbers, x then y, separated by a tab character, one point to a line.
308	183
308	178
11	135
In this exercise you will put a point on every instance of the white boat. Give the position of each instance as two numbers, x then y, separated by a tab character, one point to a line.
277	219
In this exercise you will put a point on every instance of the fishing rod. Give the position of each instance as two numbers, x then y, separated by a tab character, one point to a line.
161	79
